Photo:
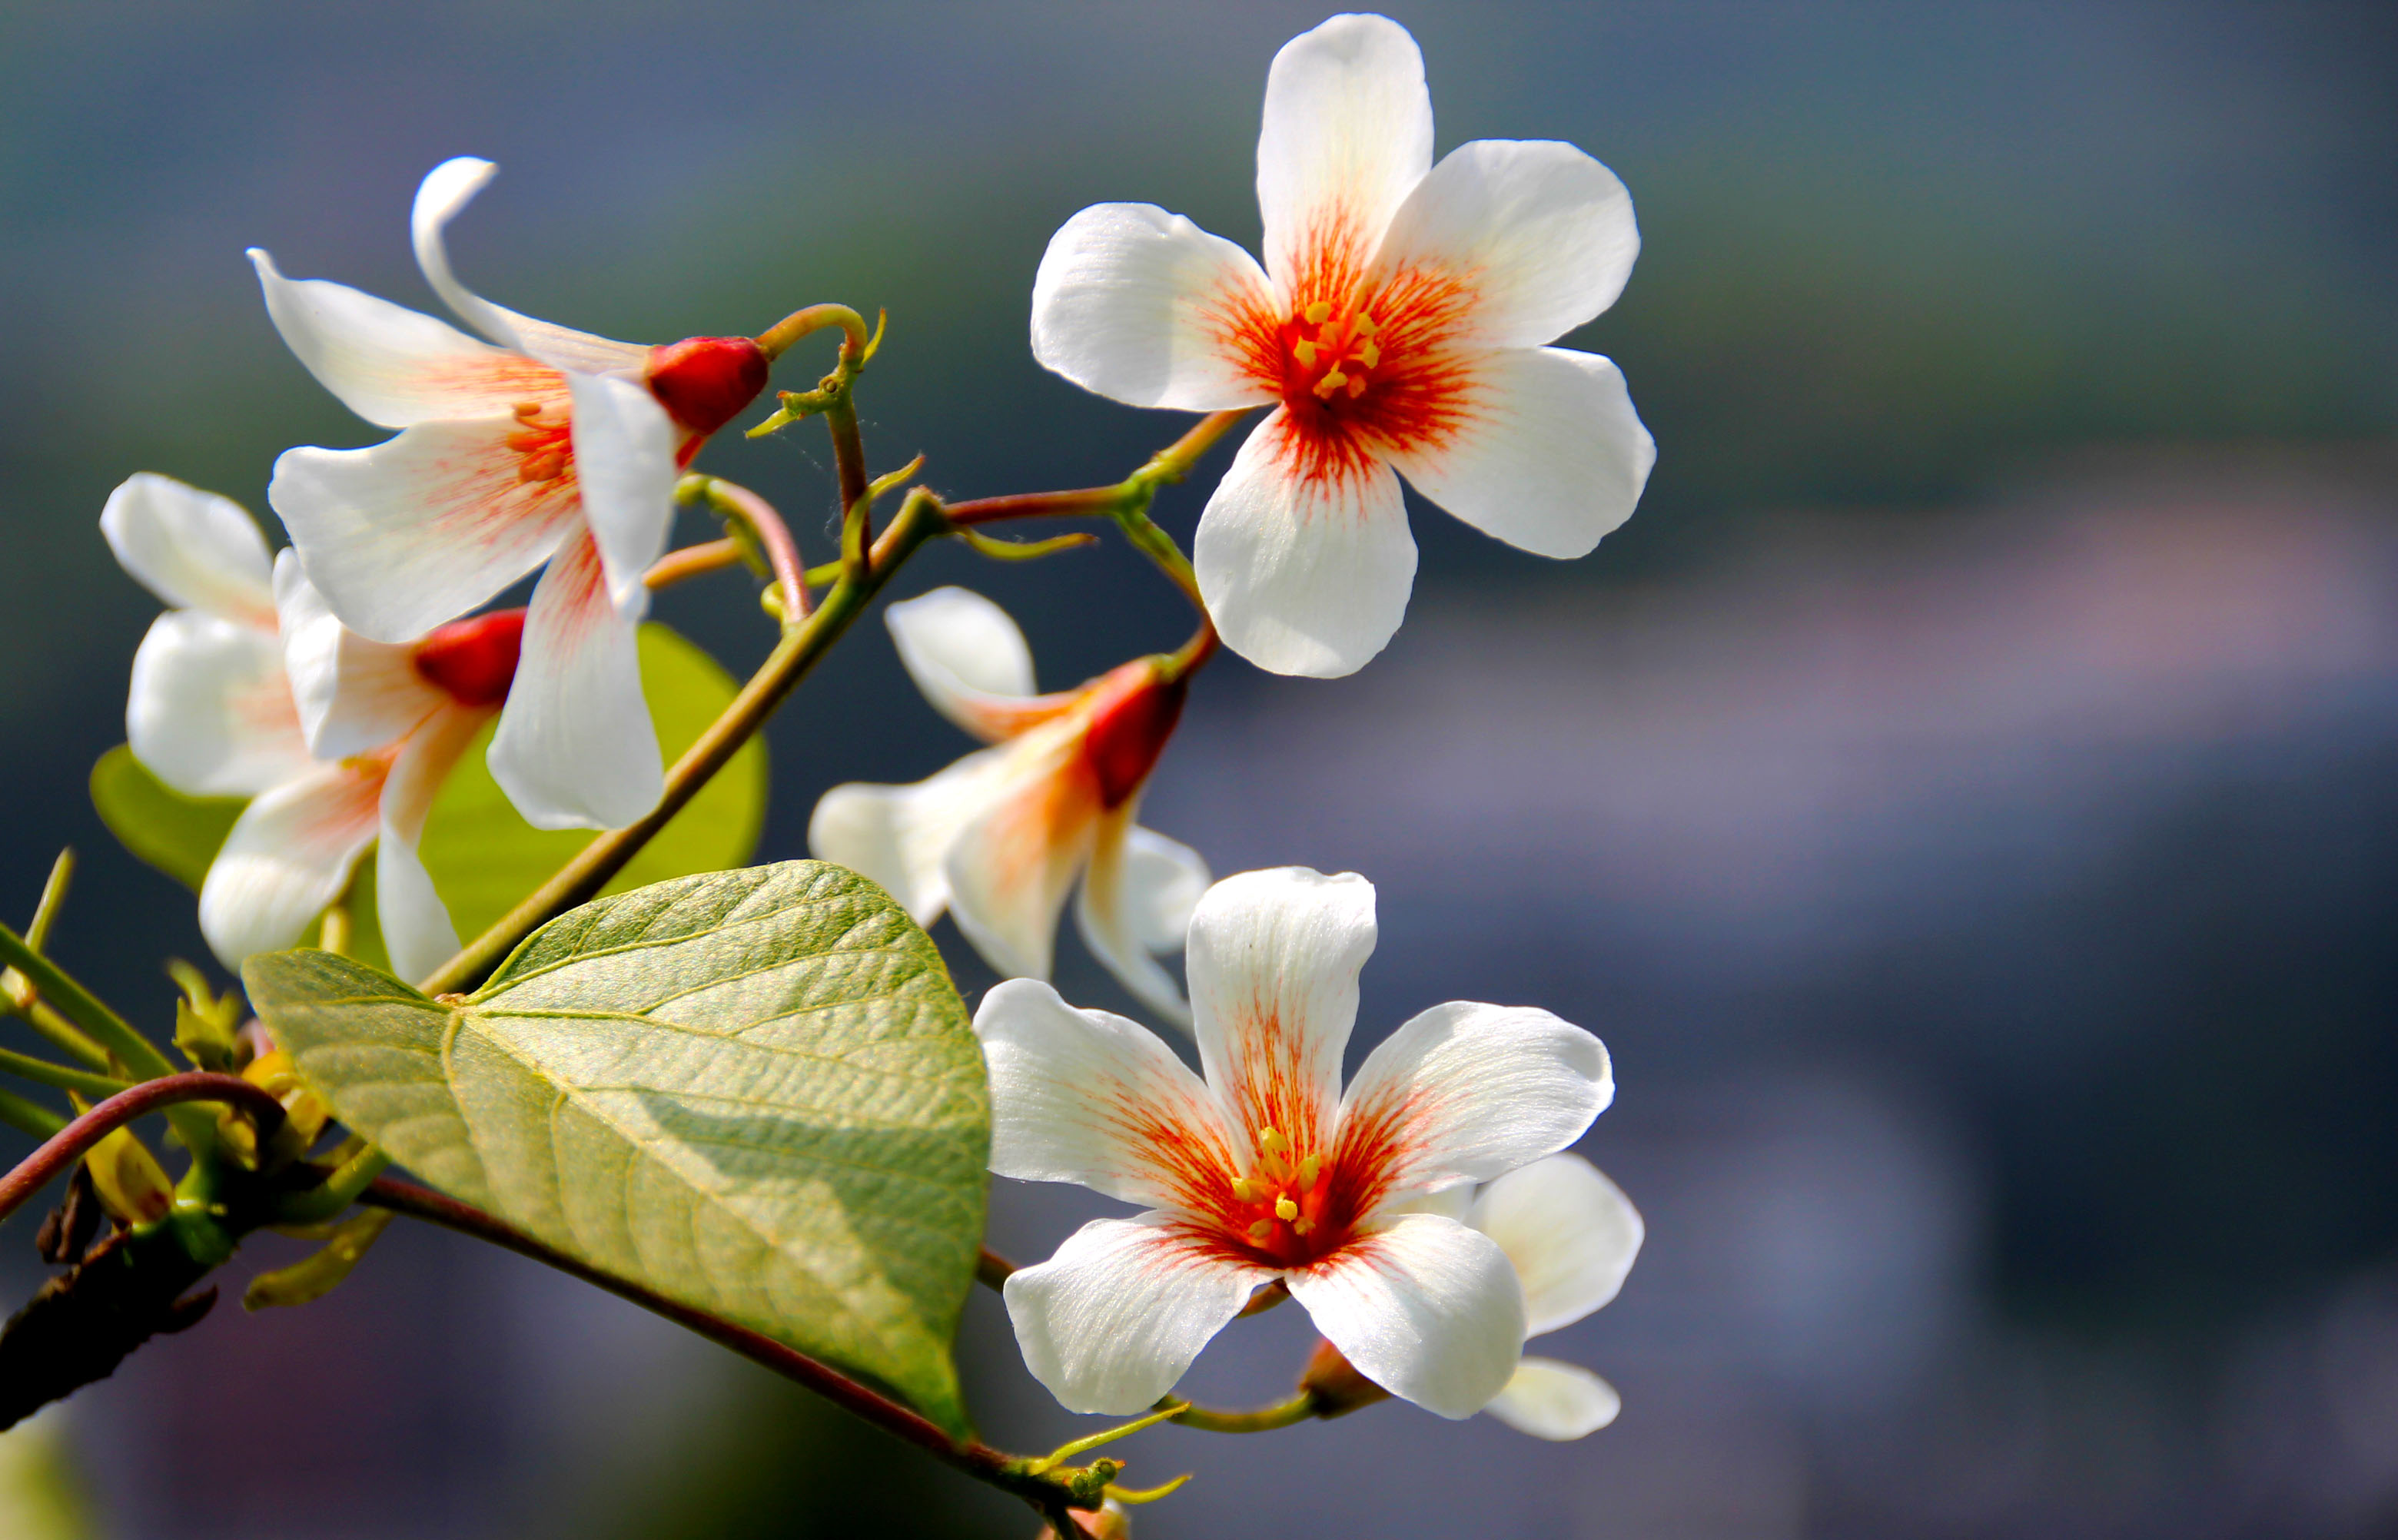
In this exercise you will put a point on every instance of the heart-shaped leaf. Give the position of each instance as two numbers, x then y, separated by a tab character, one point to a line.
755	1092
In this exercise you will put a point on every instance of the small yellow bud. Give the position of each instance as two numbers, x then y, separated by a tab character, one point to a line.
1285	1210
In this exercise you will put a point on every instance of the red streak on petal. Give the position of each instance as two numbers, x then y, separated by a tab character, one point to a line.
704	382
474	660
1133	713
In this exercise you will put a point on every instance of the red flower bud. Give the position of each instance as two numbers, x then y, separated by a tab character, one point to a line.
474	659
1133	715
702	381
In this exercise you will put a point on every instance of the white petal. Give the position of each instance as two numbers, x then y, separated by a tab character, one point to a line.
1144	307
414	532
393	366
289	854
1137	899
1549	456
576	749
195	550
1088	1097
1572	1234
1347	136
1449	1202
1467	1093
624	460
1011	868
1304	573
1542	233
353	695
417	928
448	188
1110	1323
1560	1401
210	712
1422	1306
901	836
1273	967
971	661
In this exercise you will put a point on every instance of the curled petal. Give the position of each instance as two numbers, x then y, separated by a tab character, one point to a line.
1560	1401
1347	136
448	188
353	695
1110	1323
194	550
1136	899
1089	1097
210	712
1550	458
1305	567
901	836
1542	233
289	854
971	661
624	462
576	749
1144	307
416	928
414	532
1424	1307
393	365
1273	967
1012	865
1467	1093
1570	1233
1164	881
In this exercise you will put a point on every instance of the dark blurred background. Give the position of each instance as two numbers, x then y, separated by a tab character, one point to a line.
1965	797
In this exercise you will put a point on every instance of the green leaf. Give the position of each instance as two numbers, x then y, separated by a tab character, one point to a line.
176	834
485	859
755	1092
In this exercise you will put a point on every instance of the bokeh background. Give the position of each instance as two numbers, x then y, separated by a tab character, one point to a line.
1965	797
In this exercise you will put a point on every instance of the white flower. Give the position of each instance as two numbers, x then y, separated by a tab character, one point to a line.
1264	1169
1396	324
1000	837
1572	1236
554	446
251	688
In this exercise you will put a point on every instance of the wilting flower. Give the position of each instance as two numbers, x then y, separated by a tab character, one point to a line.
1572	1236
1000	837
552	446
1264	1169
1396	324
251	688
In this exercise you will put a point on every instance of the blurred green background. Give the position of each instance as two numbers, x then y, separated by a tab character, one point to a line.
1962	797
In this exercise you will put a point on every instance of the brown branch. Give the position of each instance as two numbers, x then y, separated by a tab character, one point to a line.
71	1143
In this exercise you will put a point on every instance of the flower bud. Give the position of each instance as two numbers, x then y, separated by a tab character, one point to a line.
702	381
474	660
1132	714
1334	1382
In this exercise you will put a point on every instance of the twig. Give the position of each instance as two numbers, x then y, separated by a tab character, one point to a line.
70	1144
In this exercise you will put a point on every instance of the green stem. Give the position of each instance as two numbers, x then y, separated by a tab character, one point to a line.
42	1072
582	877
340	1190
31	1117
54	898
1298	1409
56	1029
78	1005
75	1139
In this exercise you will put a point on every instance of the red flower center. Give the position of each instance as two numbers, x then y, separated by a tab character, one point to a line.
704	382
1290	1209
473	660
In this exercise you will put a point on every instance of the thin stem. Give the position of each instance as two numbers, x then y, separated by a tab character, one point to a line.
972	1456
42	1072
776	339
60	1033
1298	1409
71	1142
849	463
793	656
692	561
135	1052
54	898
1077	503
992	1269
338	1191
31	1117
774	537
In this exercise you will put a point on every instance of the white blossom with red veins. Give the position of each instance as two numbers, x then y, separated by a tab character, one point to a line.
1396	326
1571	1235
251	688
1264	1169
1001	836
540	446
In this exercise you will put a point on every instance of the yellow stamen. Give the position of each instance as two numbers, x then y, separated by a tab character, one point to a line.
1302	1226
1262	1230
1369	355
1356	387
1364	327
1305	354
1244	1190
1307	1170
1271	1142
1285	1210
1318	312
1330	382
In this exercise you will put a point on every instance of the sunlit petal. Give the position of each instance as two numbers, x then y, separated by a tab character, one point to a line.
1347	136
195	550
1560	1401
352	695
1013	867
1144	307
448	188
625	463
1424	1307
971	661
289	854
416	928
209	711
901	836
1135	883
